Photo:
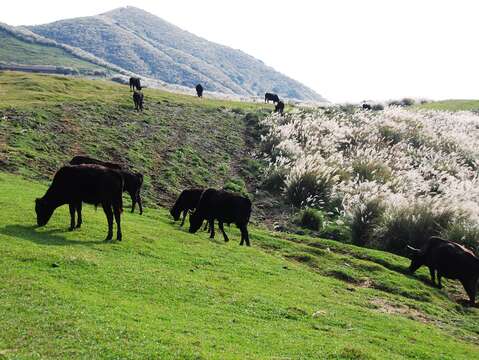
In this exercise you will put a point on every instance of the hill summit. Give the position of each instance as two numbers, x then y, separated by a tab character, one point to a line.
145	44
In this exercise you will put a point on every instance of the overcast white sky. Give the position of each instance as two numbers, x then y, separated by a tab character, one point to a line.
346	50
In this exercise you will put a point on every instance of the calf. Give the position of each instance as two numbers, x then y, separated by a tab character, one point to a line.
450	260
279	107
199	90
132	181
93	184
135	83
188	200
225	207
138	100
271	97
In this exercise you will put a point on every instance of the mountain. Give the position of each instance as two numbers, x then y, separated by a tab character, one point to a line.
145	44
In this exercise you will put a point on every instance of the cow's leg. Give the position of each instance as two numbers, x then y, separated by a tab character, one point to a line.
470	285
133	201
206	226
72	216
212	228
244	234
79	221
432	272
117	213
109	218
220	225
138	200
184	217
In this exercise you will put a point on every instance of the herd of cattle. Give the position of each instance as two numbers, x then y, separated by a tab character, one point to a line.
92	181
135	86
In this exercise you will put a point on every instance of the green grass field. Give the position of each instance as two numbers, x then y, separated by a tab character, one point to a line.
17	51
451	105
178	141
164	293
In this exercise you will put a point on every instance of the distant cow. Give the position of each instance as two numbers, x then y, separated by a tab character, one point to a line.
199	90
74	184
138	100
135	83
279	107
450	260
225	207
188	200
271	97
367	107
132	181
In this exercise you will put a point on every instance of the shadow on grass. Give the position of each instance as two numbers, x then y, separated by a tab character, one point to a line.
27	232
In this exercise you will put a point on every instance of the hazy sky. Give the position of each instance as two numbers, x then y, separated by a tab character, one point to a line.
346	50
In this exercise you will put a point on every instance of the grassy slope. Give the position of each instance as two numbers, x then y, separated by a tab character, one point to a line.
452	105
16	51
178	141
164	293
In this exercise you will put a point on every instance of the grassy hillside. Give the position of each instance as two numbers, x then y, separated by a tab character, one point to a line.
164	293
178	141
452	105
16	51
145	44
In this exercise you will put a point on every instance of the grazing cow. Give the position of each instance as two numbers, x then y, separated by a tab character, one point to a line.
199	90
271	97
225	207
367	106
279	107
138	100
450	260
132	181
74	184
135	83
188	200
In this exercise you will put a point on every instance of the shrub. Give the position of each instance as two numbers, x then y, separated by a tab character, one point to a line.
407	102
364	221
309	218
336	230
390	134
413	226
274	181
377	107
463	233
371	170
309	188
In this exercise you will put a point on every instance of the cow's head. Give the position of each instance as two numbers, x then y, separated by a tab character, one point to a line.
175	211
416	257
44	212
195	222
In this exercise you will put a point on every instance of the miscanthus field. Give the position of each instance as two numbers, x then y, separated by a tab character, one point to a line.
394	177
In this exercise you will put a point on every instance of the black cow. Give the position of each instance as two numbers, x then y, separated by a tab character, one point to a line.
188	200
271	97
367	107
132	181
138	100
225	207
199	90
135	83
279	107
74	184
450	260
